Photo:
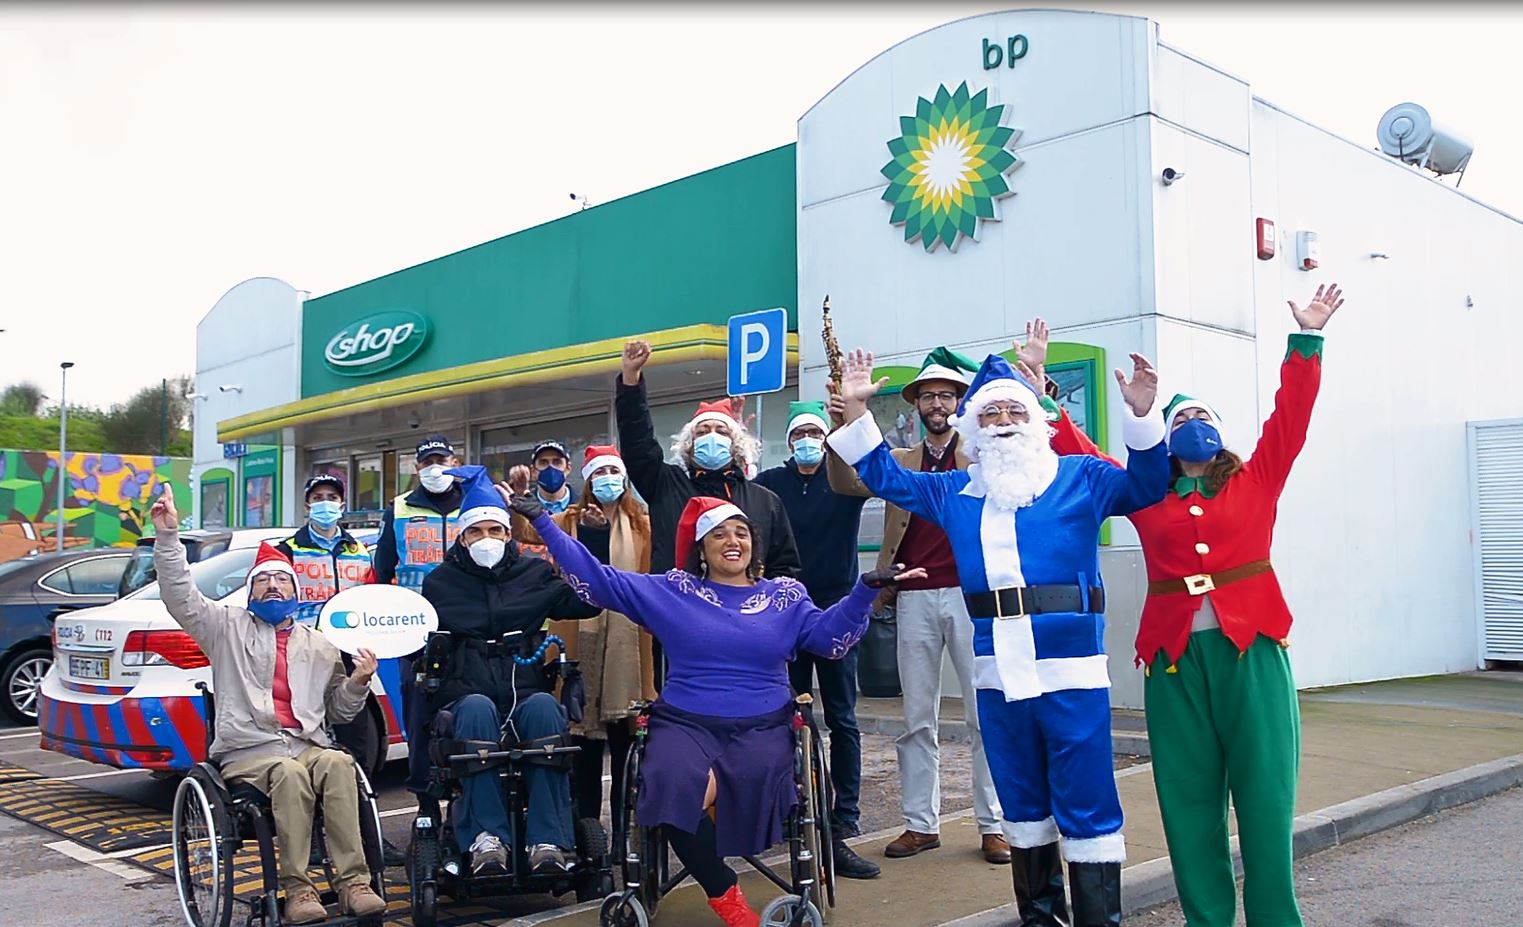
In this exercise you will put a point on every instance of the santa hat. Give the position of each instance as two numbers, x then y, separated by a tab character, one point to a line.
940	364
599	456
805	413
270	560
701	515
720	411
996	381
1180	403
481	500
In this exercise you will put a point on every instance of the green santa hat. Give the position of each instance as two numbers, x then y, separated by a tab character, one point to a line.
941	364
1181	403
806	413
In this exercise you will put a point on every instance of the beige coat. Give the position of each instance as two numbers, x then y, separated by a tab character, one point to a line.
242	653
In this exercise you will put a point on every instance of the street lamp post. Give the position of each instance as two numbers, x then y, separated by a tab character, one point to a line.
63	441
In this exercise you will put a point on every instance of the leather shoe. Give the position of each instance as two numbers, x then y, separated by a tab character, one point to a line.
910	843
391	855
996	850
851	866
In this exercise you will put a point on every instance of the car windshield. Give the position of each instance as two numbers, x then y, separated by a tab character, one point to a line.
215	577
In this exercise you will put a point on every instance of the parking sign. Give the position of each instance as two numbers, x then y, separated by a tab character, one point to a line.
758	357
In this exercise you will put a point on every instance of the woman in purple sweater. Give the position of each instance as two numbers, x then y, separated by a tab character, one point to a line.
720	733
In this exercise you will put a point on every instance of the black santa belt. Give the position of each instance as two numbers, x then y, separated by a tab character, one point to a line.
1019	601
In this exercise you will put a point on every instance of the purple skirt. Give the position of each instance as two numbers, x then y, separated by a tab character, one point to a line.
752	760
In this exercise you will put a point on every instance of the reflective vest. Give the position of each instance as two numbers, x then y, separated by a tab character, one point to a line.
322	574
423	536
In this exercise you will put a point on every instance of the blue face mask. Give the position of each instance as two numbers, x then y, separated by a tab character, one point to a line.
608	488
809	451
1196	441
273	611
712	451
325	514
551	479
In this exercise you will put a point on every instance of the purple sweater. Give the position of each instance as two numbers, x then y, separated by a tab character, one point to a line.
727	647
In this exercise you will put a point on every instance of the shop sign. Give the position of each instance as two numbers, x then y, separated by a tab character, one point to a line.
375	343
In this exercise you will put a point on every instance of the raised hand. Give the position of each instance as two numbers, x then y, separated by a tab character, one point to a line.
526	504
857	385
1141	391
364	667
636	356
1322	307
163	514
1036	376
887	576
518	478
1034	351
592	516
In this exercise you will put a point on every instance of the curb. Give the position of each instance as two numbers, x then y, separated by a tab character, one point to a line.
1152	883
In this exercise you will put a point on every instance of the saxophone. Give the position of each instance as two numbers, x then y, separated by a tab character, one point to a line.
832	347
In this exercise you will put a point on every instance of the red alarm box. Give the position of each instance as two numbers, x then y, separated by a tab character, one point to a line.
1265	238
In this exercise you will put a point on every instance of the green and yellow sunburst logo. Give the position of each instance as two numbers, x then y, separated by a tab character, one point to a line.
948	167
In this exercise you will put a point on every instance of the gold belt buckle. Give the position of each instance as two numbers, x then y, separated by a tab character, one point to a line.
1200	584
1020	603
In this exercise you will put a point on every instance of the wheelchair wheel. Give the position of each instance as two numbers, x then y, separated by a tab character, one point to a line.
824	801
203	851
593	878
811	818
790	911
641	849
618	911
370	832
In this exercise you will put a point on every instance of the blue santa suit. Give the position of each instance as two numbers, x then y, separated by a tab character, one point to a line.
1043	699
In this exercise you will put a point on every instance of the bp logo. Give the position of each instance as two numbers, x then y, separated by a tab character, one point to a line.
375	343
948	167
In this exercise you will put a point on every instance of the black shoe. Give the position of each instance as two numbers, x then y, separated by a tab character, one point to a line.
1038	875
1097	894
851	866
390	855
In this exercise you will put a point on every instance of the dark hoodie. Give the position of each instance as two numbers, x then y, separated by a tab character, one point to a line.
477	604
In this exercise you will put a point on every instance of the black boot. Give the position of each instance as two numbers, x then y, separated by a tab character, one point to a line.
1038	874
391	855
851	866
1097	894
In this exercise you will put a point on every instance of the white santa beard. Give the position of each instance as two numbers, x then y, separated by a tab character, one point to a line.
1018	468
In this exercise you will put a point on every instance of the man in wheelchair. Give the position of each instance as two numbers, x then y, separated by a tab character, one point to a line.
488	687
279	686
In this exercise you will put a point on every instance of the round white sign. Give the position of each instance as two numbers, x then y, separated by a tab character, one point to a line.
389	621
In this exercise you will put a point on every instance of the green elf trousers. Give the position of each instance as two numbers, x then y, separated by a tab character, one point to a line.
1222	720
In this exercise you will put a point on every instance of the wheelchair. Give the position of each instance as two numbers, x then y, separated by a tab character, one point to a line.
211	823
810	888
435	867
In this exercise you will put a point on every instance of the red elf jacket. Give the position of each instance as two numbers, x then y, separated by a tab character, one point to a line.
1188	535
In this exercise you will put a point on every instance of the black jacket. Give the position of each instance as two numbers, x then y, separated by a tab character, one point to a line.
476	605
385	557
666	489
826	525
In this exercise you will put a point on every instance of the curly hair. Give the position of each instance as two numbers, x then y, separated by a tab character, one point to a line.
1223	467
743	445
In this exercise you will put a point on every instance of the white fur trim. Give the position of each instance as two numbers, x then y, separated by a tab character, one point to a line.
1002	556
271	566
713	417
966	422
715	517
1054	674
856	440
1028	835
1015	659
1142	434
602	460
808	418
1110	848
483	513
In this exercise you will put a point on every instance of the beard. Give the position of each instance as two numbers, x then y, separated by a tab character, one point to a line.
935	423
1016	461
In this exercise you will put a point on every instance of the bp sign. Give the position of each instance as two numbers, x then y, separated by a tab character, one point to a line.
375	343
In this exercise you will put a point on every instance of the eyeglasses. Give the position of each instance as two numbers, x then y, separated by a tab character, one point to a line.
996	411
945	397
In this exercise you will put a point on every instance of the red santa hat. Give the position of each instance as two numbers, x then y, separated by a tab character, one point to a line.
702	515
718	411
600	456
270	560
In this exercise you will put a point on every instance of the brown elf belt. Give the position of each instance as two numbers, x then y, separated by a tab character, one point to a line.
1202	583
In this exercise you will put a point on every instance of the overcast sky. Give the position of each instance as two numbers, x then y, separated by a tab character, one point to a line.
155	156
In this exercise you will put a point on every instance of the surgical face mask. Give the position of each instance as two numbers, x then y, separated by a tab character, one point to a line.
326	513
712	451
434	479
488	552
273	611
551	479
809	451
608	488
1196	441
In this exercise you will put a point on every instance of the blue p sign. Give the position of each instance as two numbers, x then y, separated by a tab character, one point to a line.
758	352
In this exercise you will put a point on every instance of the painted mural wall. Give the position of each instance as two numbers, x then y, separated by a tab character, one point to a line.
106	498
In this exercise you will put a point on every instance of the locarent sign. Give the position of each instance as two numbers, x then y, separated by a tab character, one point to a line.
388	620
375	343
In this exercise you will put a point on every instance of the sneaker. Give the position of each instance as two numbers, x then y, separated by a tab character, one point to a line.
733	910
546	857
360	900
303	907
851	866
488	855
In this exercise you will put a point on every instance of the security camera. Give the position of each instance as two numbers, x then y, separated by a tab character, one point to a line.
413	421
1170	176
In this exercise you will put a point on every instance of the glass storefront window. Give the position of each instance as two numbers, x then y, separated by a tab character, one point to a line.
367	492
340	469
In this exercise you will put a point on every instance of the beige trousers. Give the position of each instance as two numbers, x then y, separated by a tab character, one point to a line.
293	786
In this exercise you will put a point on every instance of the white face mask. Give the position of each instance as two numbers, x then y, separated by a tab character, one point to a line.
488	551
434	478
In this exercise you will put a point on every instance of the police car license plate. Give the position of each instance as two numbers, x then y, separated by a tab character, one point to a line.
90	667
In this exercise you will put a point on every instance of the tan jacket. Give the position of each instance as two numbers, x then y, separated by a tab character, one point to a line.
242	653
844	480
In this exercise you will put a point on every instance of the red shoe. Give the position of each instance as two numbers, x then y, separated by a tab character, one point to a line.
733	910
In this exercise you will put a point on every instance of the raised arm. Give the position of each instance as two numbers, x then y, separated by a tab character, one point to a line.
1145	479
642	453
843	479
203	619
831	632
1300	379
637	595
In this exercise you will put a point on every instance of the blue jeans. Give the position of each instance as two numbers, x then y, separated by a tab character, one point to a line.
838	691
482	806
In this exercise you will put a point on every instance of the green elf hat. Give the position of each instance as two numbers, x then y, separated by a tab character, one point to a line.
1180	403
941	364
806	413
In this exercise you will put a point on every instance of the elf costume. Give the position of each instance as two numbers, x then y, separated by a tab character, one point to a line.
1221	703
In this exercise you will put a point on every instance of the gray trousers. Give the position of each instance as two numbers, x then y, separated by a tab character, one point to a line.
930	621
